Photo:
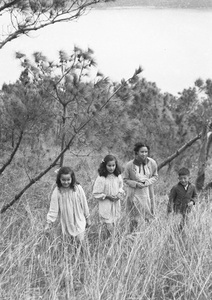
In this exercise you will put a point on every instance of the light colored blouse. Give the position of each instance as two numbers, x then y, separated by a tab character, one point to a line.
108	186
72	207
133	174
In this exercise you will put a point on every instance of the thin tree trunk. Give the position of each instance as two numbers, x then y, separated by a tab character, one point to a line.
178	152
12	154
63	134
203	157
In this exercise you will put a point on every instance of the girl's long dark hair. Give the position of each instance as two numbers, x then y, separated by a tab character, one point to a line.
66	170
102	167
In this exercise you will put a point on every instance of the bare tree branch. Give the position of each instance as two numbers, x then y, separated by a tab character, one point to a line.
203	156
8	5
178	152
12	154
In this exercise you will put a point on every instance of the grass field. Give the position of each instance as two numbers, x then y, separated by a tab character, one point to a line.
156	262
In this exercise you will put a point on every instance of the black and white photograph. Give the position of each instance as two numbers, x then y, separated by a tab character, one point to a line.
105	149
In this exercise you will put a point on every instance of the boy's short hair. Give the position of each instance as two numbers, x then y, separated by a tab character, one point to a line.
183	171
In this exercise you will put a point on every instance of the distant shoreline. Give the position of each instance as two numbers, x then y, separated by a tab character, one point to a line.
103	7
136	3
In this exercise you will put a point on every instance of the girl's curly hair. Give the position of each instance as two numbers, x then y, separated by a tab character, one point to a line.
102	167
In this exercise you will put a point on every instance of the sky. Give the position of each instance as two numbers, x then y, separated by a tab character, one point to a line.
172	46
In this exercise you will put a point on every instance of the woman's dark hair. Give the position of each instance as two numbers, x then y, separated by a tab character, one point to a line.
139	145
102	167
65	171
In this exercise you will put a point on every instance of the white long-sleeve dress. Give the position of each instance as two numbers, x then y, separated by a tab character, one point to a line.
72	207
111	185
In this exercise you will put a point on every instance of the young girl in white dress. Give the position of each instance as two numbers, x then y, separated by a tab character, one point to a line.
108	190
68	200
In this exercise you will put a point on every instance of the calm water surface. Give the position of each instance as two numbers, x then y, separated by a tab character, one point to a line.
174	46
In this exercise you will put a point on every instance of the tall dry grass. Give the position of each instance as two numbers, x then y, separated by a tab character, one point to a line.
156	262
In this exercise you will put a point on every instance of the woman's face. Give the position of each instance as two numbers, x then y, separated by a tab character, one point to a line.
65	180
110	166
143	153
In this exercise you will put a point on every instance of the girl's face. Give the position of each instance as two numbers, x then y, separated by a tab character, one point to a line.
110	166
143	153
65	180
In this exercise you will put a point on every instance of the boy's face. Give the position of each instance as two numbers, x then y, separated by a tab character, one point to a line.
183	179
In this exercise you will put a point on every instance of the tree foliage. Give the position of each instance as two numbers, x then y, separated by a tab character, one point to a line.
65	83
25	109
24	16
81	113
61	101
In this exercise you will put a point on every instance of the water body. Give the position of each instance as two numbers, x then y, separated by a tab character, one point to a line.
174	46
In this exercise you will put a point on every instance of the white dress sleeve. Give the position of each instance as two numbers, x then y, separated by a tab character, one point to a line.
84	202
99	187
54	207
121	192
121	183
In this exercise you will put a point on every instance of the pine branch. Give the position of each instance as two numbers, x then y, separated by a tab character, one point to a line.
42	19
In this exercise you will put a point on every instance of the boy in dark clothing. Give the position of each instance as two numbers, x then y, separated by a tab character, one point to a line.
182	196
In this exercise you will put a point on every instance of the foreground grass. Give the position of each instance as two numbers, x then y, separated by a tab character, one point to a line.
154	263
